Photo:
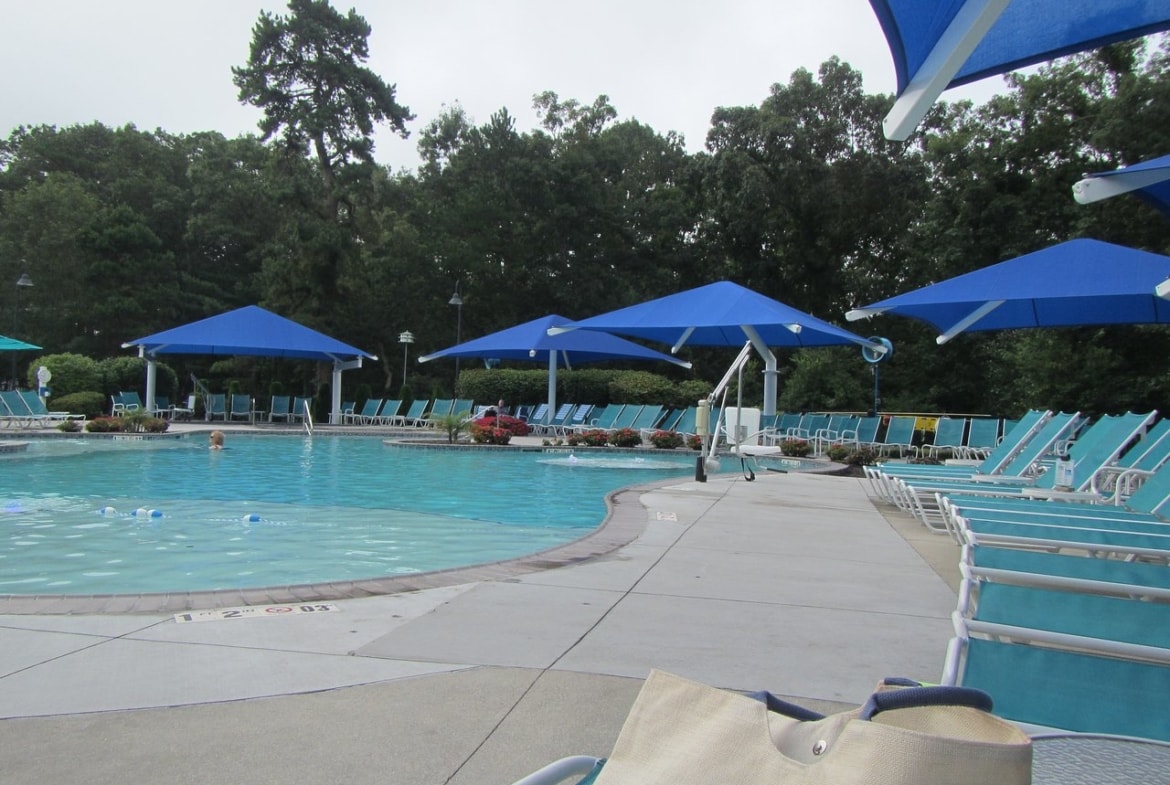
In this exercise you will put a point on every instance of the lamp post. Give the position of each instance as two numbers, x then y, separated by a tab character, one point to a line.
457	301
23	280
406	339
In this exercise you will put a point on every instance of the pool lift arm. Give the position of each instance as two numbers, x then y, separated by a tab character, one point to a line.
707	462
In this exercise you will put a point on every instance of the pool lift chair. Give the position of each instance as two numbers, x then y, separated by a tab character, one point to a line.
707	461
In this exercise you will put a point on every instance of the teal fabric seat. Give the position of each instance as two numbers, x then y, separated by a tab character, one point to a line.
279	408
1072	690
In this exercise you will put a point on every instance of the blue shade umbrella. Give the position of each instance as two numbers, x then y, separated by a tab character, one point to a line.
250	331
1081	282
938	44
719	314
1148	180
725	314
531	342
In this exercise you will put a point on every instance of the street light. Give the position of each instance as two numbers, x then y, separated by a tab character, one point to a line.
406	339
457	301
23	280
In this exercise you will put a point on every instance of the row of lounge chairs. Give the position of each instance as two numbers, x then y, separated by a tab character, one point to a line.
961	437
26	409
645	418
1063	614
420	413
1064	610
1050	455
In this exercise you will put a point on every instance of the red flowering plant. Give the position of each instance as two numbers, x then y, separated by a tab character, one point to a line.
695	442
666	440
513	425
489	434
625	437
795	448
104	425
592	438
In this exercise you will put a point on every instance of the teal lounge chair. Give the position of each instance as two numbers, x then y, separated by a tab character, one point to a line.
38	409
279	408
557	421
686	423
416	415
17	411
1097	447
982	437
899	435
1112	539
863	434
7	417
388	414
832	432
647	419
1064	658
440	407
795	430
241	407
1149	504
1031	440
995	463
184	411
123	403
1067	572
215	406
670	420
300	407
579	416
602	419
949	434
537	415
366	415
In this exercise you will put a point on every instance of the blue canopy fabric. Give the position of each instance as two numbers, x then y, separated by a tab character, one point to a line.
249	331
12	345
530	342
1080	282
936	44
720	314
1148	180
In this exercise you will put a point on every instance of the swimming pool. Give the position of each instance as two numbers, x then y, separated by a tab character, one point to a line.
90	516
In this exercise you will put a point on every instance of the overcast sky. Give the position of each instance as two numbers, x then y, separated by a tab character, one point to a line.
667	63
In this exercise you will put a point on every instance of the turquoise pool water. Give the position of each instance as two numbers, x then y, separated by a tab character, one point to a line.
91	516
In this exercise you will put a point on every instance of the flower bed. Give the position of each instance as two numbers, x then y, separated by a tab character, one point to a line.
666	440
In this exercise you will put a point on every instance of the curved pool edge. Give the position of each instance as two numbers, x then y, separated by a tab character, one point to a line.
624	521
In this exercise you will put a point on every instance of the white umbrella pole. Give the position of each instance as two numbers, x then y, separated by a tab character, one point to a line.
151	383
552	387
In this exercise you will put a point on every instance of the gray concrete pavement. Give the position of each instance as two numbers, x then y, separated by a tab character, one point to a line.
793	583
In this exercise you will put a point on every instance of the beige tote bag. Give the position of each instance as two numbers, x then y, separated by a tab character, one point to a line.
680	732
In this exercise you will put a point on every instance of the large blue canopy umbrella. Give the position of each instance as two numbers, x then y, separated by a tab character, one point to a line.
1080	282
725	314
938	44
250	331
1148	180
531	342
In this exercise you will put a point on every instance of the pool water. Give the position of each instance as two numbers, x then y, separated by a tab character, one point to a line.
91	516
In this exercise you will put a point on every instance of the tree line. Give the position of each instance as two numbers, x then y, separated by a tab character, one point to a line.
127	232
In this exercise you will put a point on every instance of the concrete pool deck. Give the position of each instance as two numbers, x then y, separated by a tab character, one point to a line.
794	583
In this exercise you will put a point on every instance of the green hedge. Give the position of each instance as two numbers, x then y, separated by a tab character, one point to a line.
590	385
91	404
